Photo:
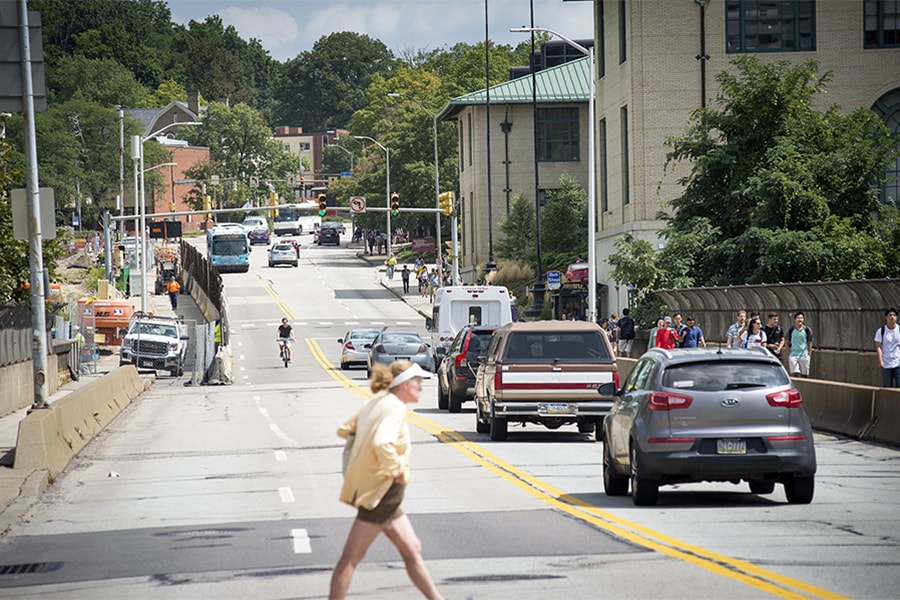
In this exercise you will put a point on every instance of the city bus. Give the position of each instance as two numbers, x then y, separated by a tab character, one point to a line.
228	249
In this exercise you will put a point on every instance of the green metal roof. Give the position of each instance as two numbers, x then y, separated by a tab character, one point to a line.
568	82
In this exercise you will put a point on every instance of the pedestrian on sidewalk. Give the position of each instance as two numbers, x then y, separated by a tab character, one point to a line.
376	475
391	264
887	345
173	287
404	275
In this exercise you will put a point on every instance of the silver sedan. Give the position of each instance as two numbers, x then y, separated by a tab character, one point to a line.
353	351
389	346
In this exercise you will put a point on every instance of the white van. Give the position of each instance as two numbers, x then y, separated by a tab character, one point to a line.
458	305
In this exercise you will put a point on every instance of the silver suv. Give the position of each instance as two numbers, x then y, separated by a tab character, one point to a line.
694	414
155	342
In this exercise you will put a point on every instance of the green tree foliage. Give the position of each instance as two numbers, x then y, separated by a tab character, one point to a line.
518	229
564	224
99	80
322	88
634	266
241	145
790	189
14	254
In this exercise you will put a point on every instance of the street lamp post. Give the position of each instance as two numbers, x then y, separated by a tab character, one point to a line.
137	145
437	177
703	56
387	177
592	165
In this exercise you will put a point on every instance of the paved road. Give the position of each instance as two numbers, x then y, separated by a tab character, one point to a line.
230	491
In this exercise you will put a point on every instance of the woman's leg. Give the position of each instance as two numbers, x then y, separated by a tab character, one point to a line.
401	533
359	539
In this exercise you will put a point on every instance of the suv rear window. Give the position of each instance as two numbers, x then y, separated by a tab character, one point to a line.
569	347
715	376
478	343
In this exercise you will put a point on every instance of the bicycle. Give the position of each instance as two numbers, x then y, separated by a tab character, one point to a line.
285	351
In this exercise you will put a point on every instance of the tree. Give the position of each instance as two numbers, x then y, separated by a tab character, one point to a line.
634	266
241	145
322	88
564	224
518	229
100	80
790	189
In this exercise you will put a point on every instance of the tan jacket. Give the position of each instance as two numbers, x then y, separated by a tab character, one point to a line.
380	452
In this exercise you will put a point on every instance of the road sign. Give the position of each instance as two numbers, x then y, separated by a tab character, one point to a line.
357	204
346	174
554	279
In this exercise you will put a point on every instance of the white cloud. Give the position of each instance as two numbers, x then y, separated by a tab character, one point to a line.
274	28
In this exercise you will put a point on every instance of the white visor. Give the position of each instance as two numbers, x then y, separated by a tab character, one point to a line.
413	371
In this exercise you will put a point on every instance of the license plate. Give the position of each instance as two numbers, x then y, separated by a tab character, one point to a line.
731	446
557	408
402	358
146	363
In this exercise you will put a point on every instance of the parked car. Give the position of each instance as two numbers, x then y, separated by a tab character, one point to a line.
544	372
282	253
389	346
328	234
690	415
456	373
353	351
155	342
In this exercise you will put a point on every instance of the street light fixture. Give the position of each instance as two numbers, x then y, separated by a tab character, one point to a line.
137	152
437	177
387	177
592	165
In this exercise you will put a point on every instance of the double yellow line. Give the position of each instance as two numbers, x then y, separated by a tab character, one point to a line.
720	564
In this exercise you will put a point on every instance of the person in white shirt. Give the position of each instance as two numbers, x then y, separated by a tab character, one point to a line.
887	345
754	336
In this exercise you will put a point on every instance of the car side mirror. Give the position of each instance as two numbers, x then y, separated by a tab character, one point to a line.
429	323
340	340
608	389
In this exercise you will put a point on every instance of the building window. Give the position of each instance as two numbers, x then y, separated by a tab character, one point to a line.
462	151
604	188
600	51
622	46
770	26
882	23
624	133
557	134
470	138
287	147
888	108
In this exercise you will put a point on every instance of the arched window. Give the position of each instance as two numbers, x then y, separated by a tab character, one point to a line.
888	108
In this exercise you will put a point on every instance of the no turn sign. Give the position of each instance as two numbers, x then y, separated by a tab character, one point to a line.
357	204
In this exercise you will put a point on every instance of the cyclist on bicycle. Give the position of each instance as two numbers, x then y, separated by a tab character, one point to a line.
285	337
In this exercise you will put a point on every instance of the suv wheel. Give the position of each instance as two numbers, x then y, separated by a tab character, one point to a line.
613	483
442	396
644	492
481	425
588	427
498	429
455	402
800	490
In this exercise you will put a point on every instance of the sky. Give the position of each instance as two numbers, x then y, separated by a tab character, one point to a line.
288	27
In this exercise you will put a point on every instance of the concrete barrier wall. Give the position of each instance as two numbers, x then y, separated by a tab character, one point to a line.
837	407
886	424
49	438
17	383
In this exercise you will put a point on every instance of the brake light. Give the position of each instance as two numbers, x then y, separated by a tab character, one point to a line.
685	440
787	438
669	401
616	379
422	349
787	398
380	349
460	360
498	381
349	346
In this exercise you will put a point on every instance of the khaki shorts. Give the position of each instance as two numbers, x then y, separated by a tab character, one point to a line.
388	509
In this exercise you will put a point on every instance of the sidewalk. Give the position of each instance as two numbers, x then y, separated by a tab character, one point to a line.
413	298
19	487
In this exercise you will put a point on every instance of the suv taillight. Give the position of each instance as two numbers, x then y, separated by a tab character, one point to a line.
788	398
460	360
669	401
616	379
498	380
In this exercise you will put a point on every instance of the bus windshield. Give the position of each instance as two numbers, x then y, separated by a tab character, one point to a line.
229	246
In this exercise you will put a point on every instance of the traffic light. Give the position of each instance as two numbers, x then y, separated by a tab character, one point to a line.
395	204
273	201
323	204
172	206
445	202
207	205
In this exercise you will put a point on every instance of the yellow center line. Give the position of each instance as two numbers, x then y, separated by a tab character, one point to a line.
720	564
269	290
